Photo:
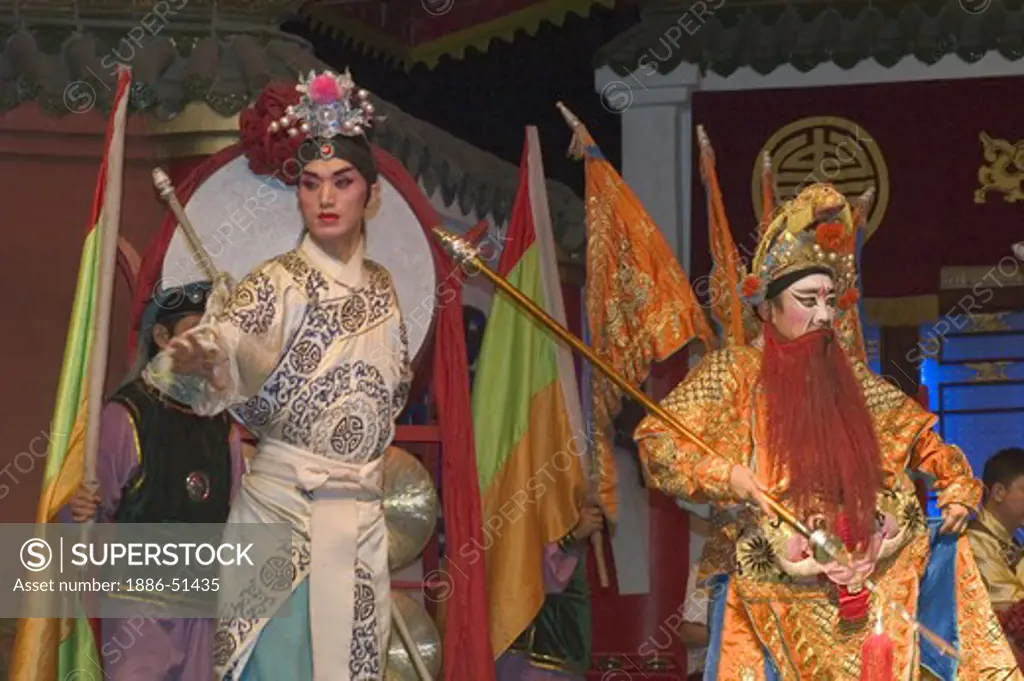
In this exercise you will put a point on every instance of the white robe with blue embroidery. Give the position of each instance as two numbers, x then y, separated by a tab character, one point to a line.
314	356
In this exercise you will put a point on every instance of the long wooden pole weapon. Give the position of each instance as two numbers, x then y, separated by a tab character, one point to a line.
166	189
820	539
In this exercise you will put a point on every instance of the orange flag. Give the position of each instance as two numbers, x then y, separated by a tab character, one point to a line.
640	306
728	268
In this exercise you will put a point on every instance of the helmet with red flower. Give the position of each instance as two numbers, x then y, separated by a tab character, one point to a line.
814	233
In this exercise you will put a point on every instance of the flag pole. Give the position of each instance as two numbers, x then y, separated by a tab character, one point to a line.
465	254
576	149
110	224
553	293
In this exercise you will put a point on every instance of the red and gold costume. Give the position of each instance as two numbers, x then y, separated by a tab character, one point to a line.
782	607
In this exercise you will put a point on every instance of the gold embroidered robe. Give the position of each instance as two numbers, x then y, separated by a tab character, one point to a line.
1001	562
778	599
999	559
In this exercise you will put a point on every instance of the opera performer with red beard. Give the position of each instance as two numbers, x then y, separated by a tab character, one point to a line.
794	415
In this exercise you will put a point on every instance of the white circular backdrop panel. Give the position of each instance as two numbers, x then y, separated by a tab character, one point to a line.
243	220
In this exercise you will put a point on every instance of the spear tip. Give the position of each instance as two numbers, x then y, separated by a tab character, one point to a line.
702	138
570	118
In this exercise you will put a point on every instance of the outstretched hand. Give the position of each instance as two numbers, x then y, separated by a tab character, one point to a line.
189	357
747	487
955	518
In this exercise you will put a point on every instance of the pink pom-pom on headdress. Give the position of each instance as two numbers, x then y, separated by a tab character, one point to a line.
328	105
324	89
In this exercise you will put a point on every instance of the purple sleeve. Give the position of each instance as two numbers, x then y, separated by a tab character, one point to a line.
118	457
558	568
115	461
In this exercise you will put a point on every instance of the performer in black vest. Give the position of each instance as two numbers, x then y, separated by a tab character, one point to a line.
159	462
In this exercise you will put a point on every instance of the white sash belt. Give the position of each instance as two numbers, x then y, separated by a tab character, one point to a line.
336	491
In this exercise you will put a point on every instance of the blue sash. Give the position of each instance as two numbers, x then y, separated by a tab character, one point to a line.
936	603
718	586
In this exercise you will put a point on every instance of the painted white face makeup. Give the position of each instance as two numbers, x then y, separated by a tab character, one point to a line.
807	305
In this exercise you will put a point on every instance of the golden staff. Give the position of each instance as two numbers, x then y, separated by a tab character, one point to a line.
462	251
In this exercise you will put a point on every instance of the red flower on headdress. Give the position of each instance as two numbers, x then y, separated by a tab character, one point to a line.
751	285
849	299
324	89
831	236
267	151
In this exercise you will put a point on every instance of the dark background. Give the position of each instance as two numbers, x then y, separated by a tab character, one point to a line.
487	99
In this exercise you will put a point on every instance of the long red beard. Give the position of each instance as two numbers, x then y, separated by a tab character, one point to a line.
820	431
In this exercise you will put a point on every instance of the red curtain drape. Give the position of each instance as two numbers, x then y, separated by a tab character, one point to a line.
467	649
928	135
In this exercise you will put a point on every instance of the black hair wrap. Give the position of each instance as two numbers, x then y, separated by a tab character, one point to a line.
785	281
355	150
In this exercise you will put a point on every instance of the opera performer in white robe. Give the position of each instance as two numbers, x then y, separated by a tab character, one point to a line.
310	353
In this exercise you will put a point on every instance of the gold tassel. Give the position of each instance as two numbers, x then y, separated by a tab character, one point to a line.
576	146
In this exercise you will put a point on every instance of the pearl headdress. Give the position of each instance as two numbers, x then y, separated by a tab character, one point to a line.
329	105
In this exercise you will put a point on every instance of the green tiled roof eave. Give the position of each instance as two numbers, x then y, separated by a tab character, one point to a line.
805	36
227	72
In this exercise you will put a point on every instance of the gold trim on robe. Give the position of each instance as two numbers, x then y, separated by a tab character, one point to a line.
999	560
781	602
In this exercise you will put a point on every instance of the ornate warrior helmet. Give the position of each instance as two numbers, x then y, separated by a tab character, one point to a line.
816	231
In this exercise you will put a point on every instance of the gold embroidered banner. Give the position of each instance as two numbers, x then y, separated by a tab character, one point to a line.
640	306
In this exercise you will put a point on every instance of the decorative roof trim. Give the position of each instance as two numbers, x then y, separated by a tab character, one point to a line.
811	34
60	69
379	44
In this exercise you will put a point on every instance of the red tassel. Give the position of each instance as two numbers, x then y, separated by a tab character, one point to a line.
853	608
877	655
